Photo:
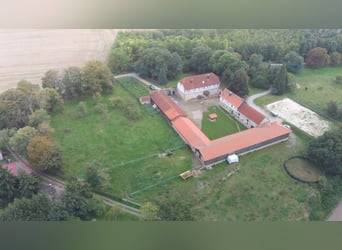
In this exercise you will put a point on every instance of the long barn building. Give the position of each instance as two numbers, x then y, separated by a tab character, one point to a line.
211	152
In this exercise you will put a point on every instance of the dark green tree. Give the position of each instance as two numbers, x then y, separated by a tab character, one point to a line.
28	185
94	174
7	185
294	62
175	210
162	80
326	152
79	200
16	105
72	82
199	61
239	84
33	209
58	212
280	81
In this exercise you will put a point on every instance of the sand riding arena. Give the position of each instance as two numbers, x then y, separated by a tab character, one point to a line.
299	116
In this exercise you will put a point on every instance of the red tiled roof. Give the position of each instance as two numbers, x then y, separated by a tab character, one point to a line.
251	113
190	132
213	116
244	139
144	99
13	168
166	105
198	81
232	98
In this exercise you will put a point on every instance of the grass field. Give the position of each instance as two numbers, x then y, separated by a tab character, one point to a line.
224	124
315	88
260	191
128	150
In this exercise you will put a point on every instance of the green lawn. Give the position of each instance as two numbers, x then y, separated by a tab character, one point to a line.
128	150
260	191
315	88
224	124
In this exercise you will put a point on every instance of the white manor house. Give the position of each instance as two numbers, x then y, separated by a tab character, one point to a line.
198	85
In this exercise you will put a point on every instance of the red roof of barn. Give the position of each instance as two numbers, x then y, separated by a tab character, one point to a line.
244	139
190	132
198	81
166	105
232	98
251	113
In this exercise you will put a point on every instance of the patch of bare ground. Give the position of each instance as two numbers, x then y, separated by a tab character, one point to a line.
28	54
301	117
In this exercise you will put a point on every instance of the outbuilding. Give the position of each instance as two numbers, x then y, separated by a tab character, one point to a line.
233	158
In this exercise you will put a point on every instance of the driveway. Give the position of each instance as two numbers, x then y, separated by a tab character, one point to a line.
250	101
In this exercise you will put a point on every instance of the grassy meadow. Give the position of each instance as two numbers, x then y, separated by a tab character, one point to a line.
131	153
128	150
314	88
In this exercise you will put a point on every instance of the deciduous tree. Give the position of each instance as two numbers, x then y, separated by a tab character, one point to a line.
239	84
97	78
7	185
326	152
149	211
44	154
294	62
32	209
21	139
317	57
28	185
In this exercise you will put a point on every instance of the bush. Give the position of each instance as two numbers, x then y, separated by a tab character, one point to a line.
132	112
82	110
338	79
101	108
117	102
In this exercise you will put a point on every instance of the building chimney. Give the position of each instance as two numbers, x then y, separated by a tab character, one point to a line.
208	76
190	80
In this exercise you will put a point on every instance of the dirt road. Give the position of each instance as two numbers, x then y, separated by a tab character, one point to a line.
28	54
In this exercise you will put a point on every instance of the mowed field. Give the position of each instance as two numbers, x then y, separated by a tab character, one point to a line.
28	54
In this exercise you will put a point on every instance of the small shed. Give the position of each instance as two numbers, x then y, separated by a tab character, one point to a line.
145	99
212	117
186	175
233	158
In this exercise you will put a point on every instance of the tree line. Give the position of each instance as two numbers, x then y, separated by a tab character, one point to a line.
238	57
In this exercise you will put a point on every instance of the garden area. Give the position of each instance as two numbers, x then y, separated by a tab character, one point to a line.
224	124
